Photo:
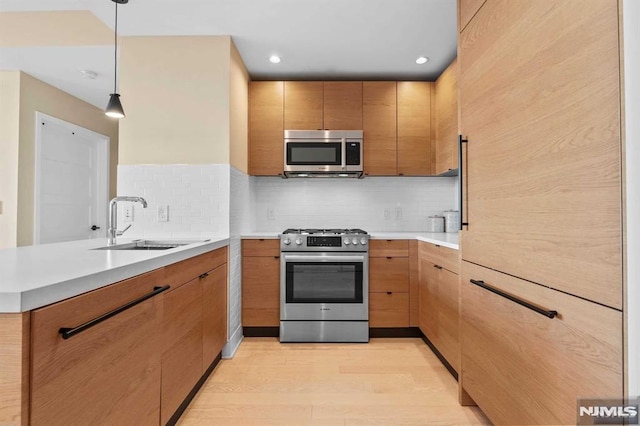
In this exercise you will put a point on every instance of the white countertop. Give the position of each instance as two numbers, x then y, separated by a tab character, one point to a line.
449	240
35	276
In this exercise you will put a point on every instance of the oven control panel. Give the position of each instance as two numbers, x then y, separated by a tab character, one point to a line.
324	241
349	243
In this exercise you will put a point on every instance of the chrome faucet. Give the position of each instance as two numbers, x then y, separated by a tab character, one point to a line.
113	232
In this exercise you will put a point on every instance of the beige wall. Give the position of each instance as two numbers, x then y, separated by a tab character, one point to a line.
36	95
239	118
9	118
175	94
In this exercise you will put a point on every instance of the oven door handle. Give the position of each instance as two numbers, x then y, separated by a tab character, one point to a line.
316	258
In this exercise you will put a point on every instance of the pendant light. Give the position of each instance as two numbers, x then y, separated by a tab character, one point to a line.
114	107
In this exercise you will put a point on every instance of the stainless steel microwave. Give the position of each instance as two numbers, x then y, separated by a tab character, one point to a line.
323	153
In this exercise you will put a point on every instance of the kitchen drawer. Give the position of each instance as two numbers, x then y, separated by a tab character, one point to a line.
389	309
384	248
388	274
262	247
522	367
186	270
441	256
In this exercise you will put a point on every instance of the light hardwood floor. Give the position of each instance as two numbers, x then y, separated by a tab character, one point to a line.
385	382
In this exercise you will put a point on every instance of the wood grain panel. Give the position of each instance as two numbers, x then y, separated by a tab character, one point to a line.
442	256
14	365
266	128
446	120
524	368
388	274
414	128
303	105
385	248
389	310
108	374
214	314
543	123
379	125
260	291
343	105
266	247
182	357
414	284
448	335
181	272
427	295
466	10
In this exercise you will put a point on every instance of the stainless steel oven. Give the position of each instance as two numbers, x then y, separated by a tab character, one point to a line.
324	291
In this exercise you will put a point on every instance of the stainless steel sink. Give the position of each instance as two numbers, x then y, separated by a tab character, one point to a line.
150	245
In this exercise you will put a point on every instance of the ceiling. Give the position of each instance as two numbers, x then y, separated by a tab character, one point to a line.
317	39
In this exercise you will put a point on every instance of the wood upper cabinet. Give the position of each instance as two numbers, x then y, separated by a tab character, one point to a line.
446	120
266	128
414	128
106	374
543	123
343	105
379	126
466	10
517	361
303	105
260	283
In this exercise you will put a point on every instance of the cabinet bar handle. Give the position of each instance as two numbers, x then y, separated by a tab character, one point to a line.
389	292
461	181
549	314
437	266
205	275
70	332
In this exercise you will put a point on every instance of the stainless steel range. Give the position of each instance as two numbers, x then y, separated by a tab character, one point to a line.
324	285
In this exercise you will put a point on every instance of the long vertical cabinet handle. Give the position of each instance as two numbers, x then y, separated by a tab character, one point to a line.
461	181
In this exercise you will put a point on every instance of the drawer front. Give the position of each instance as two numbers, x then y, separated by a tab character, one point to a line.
260	291
181	272
388	274
524	368
441	256
262	247
389	310
384	248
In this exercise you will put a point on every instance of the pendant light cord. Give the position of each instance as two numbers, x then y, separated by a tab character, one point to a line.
115	55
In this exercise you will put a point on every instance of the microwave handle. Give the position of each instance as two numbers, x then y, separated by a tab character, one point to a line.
344	153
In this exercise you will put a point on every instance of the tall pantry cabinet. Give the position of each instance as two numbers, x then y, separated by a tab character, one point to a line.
541	316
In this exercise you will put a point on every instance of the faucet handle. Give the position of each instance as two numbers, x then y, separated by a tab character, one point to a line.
118	233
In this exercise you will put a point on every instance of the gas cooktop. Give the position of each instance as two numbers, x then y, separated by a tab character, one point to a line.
312	231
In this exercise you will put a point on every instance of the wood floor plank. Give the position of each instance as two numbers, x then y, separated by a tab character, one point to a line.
384	382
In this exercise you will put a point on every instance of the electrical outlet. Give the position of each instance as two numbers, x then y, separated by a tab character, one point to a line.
387	214
163	213
127	212
398	213
271	214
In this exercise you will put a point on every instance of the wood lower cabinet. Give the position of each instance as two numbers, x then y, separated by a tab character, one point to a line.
439	300
107	374
266	128
389	278
414	128
522	367
214	314
261	283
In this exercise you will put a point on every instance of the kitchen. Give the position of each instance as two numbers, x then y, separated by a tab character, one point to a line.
152	154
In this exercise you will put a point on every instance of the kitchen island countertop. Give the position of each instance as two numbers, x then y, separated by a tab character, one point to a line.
35	276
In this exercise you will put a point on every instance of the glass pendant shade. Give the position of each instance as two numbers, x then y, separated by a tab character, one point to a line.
114	107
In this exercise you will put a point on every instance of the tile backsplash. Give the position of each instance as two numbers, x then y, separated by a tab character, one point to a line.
197	197
372	203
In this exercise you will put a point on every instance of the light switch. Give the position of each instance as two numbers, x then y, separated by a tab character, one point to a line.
163	213
127	212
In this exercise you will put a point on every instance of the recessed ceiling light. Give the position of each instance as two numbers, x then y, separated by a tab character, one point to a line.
422	60
275	59
89	74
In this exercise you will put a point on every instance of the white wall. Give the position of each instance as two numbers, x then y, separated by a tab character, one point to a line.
352	203
631	25
197	196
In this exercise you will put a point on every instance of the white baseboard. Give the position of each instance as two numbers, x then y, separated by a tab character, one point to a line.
232	345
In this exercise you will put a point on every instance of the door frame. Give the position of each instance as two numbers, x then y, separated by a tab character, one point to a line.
103	166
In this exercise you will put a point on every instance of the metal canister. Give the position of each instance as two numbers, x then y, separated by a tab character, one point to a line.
435	224
451	221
